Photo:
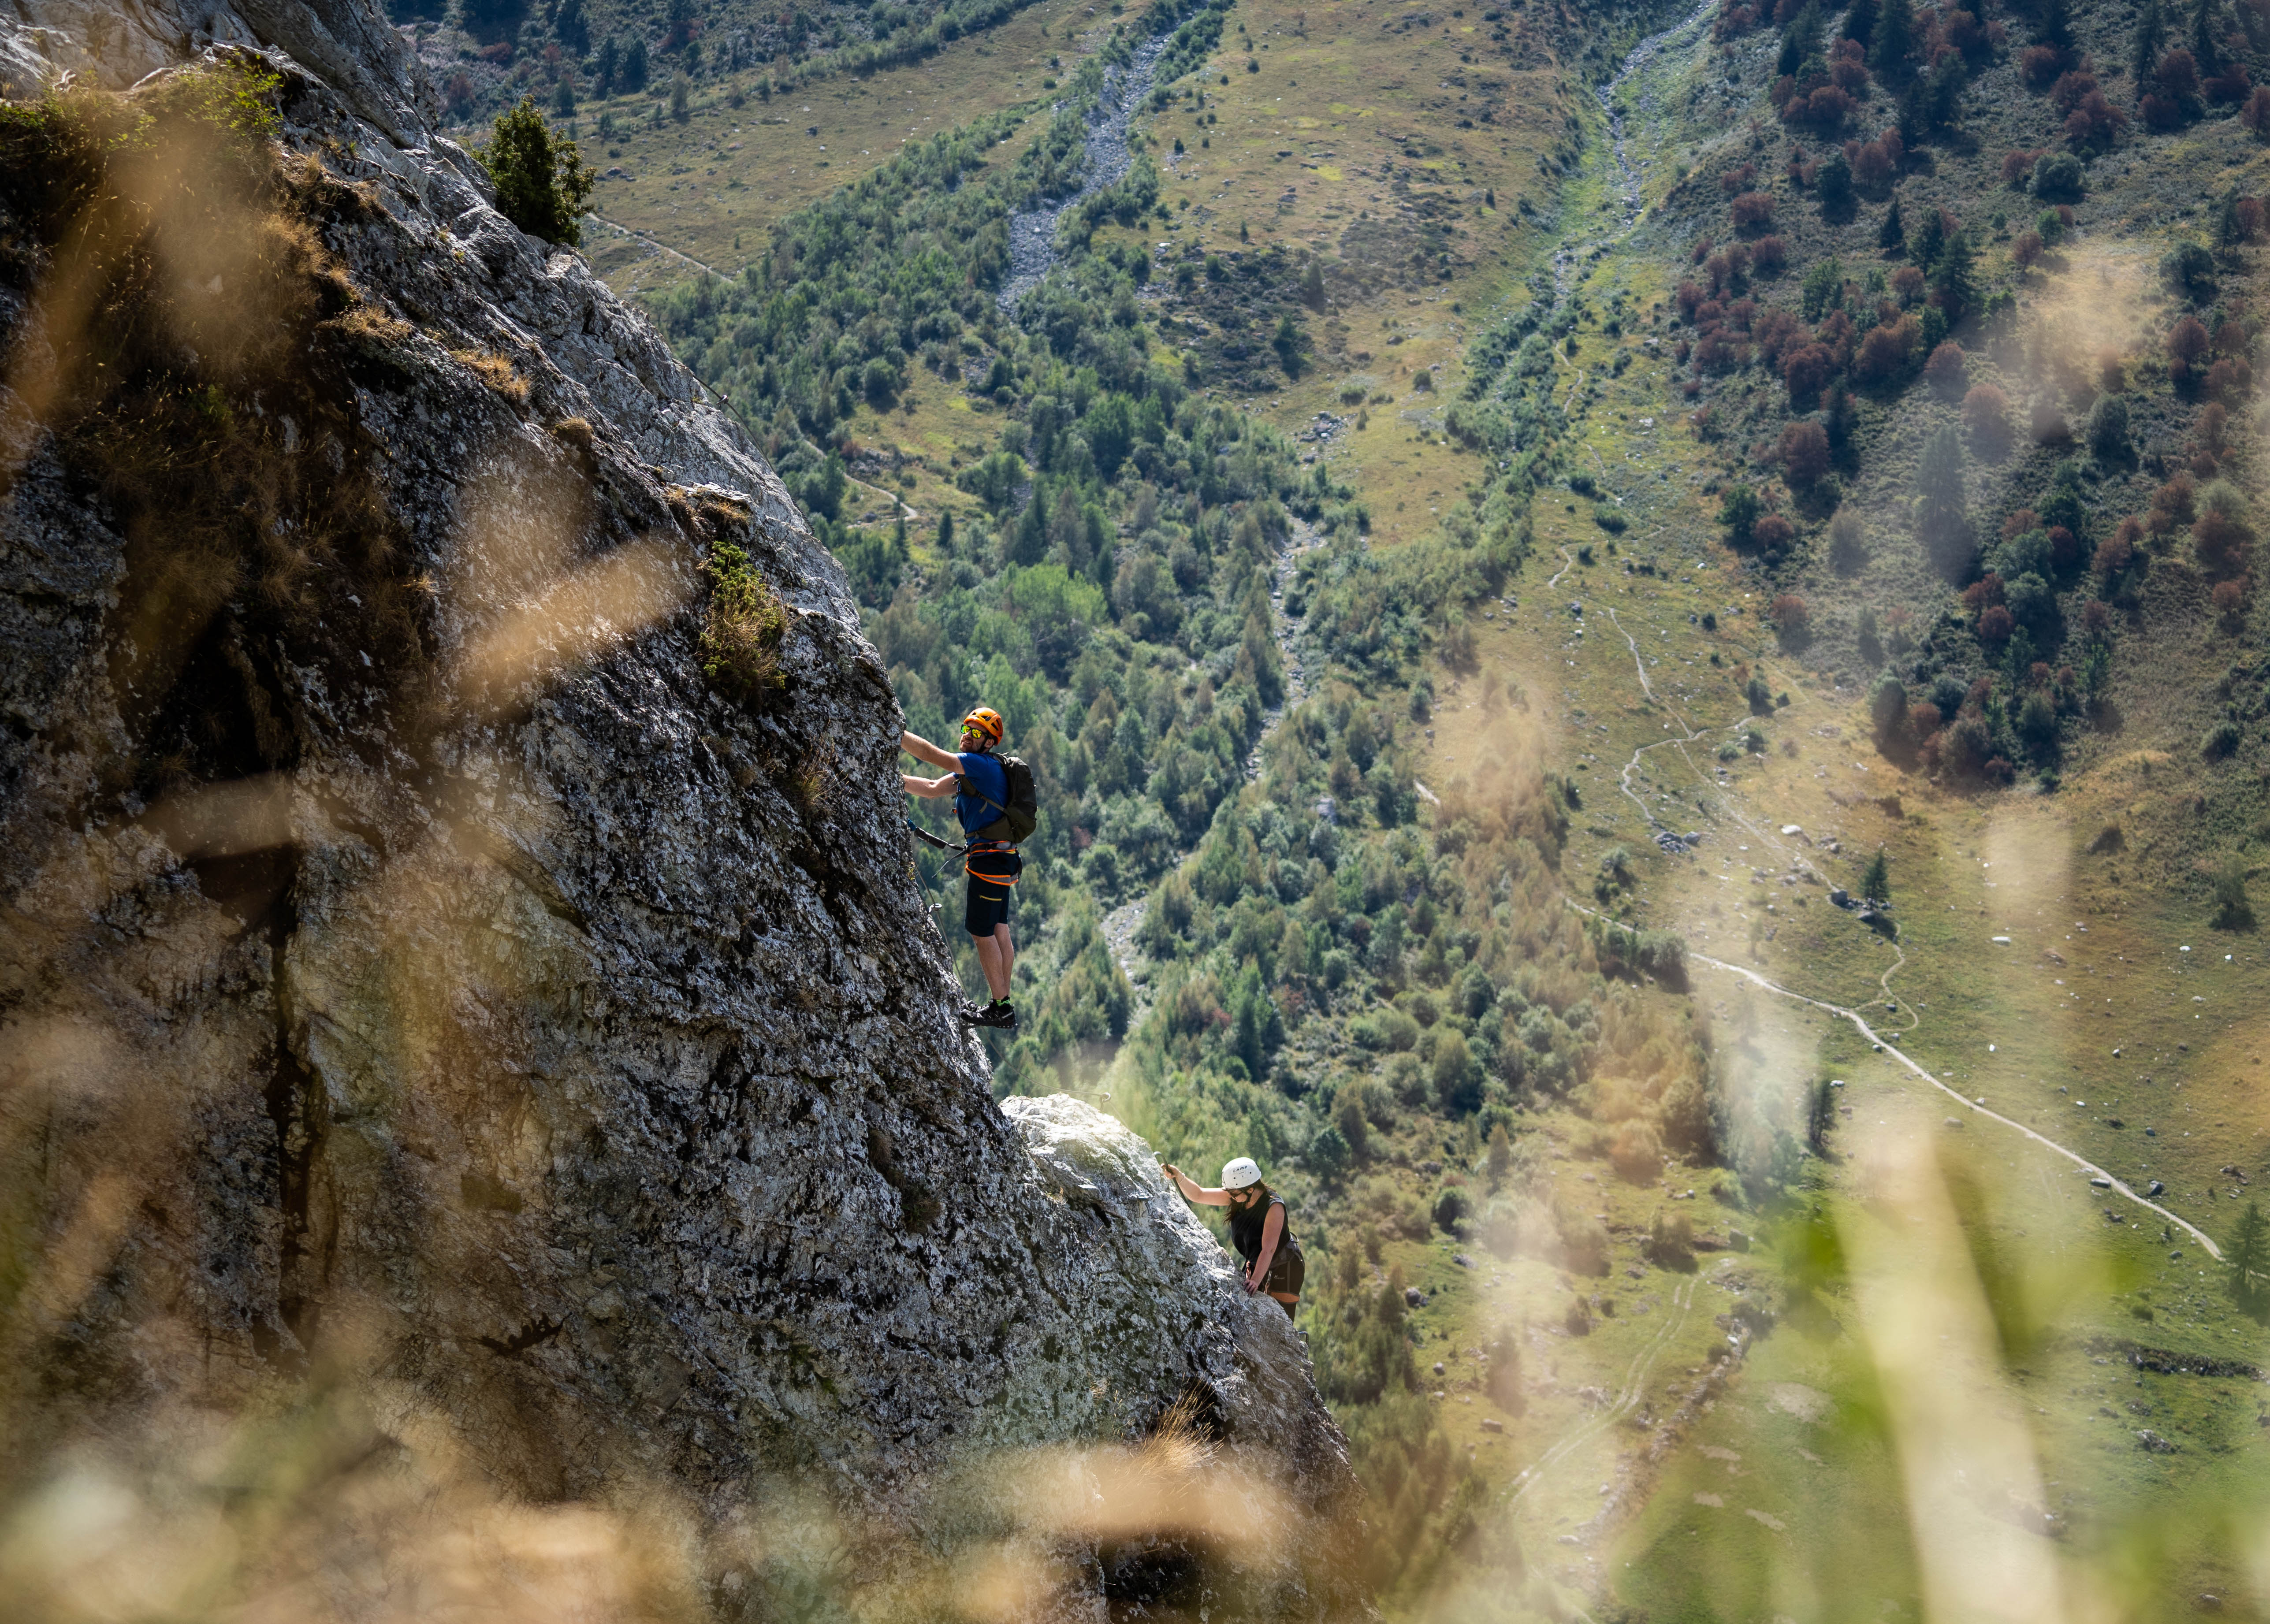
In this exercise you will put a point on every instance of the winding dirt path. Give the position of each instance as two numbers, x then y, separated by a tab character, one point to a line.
646	241
1627	1400
1882	1040
2046	1143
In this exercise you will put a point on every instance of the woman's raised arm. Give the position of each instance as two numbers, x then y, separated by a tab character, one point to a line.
1192	1191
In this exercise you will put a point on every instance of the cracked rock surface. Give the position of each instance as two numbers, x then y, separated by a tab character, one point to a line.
439	965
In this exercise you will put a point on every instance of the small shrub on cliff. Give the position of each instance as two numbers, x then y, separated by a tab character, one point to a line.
234	96
542	181
741	640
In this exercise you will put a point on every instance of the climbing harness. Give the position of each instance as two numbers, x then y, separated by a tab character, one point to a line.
996	871
991	874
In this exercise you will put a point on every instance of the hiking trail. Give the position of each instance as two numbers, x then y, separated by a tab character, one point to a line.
1625	1400
2116	1185
1883	1042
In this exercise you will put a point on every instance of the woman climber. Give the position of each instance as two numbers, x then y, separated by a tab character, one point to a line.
1258	1229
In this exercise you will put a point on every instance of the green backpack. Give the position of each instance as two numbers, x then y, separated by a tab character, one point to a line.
1021	815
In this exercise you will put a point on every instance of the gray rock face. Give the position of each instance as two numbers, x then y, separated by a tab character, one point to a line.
349	44
415	968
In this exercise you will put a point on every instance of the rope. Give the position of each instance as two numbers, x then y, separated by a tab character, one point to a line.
929	839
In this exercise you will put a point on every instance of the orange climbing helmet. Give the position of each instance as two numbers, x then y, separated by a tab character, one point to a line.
983	720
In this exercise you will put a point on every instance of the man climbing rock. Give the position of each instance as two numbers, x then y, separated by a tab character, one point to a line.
1257	1229
993	797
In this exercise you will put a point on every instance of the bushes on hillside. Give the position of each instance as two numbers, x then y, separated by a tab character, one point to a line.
1848	550
2254	115
2188	270
2059	178
1753	210
1941	520
1944	369
1888	351
1804	452
2222	535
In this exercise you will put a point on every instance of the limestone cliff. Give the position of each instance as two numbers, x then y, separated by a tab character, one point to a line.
452	968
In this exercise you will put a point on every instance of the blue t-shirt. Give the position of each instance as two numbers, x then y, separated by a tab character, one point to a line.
982	773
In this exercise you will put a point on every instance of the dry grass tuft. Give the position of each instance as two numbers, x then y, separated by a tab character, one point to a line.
807	786
368	325
497	372
1180	1446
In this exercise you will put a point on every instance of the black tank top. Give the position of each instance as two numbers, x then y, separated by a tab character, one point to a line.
1245	1230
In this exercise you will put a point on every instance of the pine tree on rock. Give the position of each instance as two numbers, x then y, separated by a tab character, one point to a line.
1893	239
543	184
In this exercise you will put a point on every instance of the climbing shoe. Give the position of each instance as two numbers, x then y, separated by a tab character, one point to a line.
998	1015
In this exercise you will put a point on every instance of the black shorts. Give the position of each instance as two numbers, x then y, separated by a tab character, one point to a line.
1286	1271
989	900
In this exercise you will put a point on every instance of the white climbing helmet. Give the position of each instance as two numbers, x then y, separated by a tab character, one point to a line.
1238	1173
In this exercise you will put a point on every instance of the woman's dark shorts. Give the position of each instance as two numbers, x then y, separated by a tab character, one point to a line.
1287	1271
